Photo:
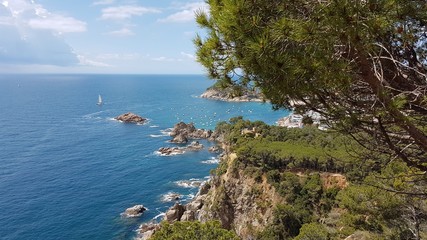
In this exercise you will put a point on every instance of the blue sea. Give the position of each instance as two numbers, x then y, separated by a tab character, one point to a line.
68	169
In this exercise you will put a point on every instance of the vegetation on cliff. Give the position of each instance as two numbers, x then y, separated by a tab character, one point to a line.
304	165
193	230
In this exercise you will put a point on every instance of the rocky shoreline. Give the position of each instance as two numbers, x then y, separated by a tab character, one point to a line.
178	212
180	134
168	151
225	96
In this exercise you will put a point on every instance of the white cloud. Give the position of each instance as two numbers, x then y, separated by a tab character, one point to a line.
103	2
84	61
124	32
30	35
119	56
188	55
58	23
18	7
26	12
186	13
182	16
166	59
125	12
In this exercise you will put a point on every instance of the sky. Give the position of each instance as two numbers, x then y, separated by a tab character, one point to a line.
99	36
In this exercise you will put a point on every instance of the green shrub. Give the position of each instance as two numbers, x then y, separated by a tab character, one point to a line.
312	231
193	231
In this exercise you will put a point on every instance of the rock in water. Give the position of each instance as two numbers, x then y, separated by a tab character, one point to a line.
183	129
169	197
134	211
167	151
195	146
180	138
181	132
130	118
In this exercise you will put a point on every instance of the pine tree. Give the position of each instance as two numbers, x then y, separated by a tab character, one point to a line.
360	63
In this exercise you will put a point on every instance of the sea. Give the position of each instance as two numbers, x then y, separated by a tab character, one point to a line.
68	169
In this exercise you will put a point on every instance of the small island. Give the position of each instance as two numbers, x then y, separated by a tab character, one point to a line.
232	94
130	118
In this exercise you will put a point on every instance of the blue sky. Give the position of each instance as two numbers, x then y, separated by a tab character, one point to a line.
98	36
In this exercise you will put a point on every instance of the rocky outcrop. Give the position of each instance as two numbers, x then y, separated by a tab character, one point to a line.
195	146
181	138
190	211
130	118
182	132
146	230
168	151
171	196
174	213
182	128
227	96
241	202
231	199
333	180
134	211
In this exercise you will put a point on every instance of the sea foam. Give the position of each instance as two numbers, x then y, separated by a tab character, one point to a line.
213	160
191	183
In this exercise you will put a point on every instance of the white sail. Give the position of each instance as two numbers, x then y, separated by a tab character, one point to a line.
99	100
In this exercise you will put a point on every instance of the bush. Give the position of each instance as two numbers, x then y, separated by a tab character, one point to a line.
193	231
312	231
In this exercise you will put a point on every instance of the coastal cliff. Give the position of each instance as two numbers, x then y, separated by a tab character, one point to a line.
242	203
279	183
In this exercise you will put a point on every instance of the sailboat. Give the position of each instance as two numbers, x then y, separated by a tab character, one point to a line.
99	103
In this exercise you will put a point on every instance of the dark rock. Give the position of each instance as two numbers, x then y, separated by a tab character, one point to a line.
134	211
146	230
195	205
130	118
180	138
169	197
204	188
195	146
167	151
214	149
181	132
175	213
182	128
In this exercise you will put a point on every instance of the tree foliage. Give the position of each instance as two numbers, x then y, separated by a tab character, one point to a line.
277	148
313	231
361	64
